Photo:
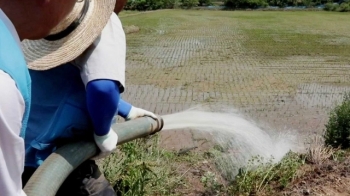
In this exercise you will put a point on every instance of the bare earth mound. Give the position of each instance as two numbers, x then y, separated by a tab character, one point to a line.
330	178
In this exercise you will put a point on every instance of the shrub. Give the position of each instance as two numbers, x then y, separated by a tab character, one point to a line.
344	7
245	3
205	2
328	6
143	5
308	3
170	4
189	3
338	127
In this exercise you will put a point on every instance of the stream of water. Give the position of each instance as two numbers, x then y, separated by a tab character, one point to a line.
242	138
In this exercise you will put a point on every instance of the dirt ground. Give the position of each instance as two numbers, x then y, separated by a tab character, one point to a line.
329	178
180	59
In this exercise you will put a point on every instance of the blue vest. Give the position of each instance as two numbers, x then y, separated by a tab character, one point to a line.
12	62
58	112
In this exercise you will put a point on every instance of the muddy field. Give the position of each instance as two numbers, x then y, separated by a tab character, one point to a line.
285	70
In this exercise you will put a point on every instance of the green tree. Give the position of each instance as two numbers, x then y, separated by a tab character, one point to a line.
189	3
205	2
235	4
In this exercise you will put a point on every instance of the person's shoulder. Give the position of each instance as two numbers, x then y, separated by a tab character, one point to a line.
113	29
114	17
115	21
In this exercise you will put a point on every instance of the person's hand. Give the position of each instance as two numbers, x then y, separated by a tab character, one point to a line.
138	112
106	143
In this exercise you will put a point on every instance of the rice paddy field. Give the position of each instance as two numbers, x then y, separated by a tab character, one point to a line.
283	69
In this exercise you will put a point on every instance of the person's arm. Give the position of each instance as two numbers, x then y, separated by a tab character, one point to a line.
119	5
103	101
124	108
102	98
11	144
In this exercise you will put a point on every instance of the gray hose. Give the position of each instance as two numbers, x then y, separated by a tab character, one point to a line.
48	178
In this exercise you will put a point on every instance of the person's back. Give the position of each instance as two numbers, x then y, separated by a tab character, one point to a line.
58	112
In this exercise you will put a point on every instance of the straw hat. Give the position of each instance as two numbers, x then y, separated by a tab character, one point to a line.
71	37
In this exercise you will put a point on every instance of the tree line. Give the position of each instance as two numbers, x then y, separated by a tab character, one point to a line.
329	5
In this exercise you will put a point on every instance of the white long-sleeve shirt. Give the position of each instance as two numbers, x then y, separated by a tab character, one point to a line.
12	108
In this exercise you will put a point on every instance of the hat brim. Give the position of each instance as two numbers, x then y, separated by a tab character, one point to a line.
43	54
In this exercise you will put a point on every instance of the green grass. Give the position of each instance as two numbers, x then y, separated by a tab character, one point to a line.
141	167
261	175
296	33
283	43
127	13
271	34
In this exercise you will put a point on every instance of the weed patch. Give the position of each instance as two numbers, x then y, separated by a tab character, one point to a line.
141	168
260	175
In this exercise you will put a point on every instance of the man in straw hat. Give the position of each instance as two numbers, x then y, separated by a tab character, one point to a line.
71	98
19	20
